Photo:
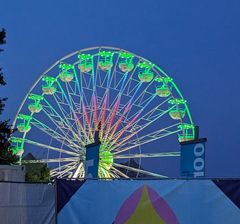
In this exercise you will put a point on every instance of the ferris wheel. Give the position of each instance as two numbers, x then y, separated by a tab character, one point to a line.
131	102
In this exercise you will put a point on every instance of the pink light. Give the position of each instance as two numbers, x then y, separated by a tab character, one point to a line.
120	119
117	125
113	116
95	112
127	108
80	125
104	114
124	129
87	119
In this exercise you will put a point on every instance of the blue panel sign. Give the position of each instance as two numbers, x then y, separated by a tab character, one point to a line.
193	158
92	160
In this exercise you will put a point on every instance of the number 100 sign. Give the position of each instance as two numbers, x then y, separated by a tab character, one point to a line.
193	158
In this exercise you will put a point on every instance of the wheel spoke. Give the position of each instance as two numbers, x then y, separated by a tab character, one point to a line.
77	171
50	147
136	170
133	128
148	155
81	101
44	128
65	119
64	130
146	138
56	160
119	172
62	167
66	172
72	110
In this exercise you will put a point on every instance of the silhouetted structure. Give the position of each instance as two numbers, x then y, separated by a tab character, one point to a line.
132	174
29	156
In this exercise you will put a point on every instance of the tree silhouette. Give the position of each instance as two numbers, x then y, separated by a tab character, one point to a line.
37	171
6	154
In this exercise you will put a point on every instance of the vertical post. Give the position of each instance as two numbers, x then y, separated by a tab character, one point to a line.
56	199
96	136
193	156
92	156
196	130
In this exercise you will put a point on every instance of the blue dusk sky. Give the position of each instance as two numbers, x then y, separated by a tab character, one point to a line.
195	42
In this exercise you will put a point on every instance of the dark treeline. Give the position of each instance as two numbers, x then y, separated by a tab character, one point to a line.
6	154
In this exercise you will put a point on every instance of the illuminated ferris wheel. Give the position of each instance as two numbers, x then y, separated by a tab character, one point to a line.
130	102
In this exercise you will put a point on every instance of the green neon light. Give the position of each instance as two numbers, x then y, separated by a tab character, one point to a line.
106	54
65	75
24	117
145	65
35	97
126	62
145	75
186	126
163	91
49	80
48	87
18	145
106	159
85	63
165	80
35	107
105	60
188	130
125	55
24	126
177	101
65	66
177	114
180	94
186	137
